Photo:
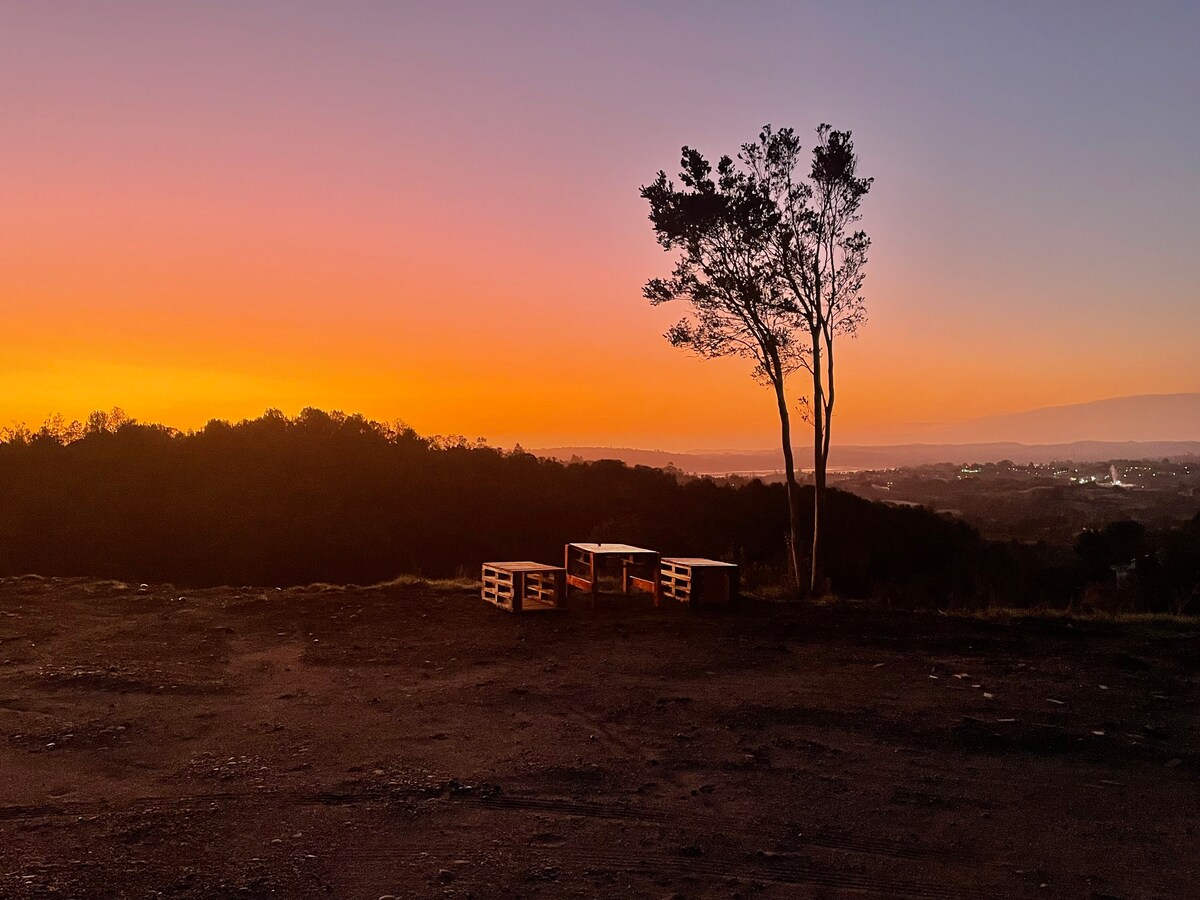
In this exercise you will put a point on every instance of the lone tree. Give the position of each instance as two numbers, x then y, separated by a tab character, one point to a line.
774	274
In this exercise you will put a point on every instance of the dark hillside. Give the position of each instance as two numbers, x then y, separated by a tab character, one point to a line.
330	497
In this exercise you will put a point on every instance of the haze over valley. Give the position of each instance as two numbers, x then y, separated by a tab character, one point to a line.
1138	427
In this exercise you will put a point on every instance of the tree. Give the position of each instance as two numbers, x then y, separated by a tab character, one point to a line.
724	230
821	265
771	274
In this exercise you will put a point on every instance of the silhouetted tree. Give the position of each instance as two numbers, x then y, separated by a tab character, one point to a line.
821	264
725	231
773	273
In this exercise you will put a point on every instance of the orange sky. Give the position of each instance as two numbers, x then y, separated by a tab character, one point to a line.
208	211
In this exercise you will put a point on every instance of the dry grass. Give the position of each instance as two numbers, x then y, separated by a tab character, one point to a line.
784	593
460	583
1045	614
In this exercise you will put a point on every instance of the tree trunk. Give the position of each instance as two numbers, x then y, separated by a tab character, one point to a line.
820	456
818	551
793	491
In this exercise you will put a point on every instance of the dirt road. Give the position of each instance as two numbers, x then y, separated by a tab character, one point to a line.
418	743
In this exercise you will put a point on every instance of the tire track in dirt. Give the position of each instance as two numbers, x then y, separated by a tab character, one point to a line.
586	809
180	804
499	803
780	869
851	843
622	748
716	823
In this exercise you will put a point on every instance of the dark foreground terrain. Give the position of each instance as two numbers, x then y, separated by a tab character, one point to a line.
411	742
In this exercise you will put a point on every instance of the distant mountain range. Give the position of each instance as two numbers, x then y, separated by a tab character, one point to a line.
1151	426
1146	417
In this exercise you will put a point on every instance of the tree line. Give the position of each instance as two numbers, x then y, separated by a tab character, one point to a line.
281	500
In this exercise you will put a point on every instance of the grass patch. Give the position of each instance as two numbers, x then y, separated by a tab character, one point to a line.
1045	614
461	583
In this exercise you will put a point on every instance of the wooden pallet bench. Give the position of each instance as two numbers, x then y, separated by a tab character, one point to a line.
585	562
524	586
700	583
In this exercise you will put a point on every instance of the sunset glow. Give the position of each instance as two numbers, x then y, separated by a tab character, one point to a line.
414	215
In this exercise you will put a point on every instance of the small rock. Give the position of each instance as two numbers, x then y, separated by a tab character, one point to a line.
445	876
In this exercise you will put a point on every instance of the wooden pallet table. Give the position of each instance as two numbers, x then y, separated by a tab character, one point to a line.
700	583
524	586
585	562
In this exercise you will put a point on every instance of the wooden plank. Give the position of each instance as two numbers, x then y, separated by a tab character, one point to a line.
607	549
576	581
698	562
523	565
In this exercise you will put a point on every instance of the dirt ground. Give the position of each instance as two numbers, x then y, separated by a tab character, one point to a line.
413	742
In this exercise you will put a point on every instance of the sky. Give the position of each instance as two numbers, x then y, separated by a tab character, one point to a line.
430	211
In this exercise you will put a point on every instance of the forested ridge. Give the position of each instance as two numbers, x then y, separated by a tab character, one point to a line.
281	500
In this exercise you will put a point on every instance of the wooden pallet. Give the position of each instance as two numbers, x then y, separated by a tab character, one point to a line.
523	586
698	582
584	563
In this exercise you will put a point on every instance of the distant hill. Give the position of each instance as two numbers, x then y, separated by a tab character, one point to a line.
1149	426
884	457
1146	417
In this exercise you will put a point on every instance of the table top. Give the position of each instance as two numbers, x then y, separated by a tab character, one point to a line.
523	565
620	549
697	561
